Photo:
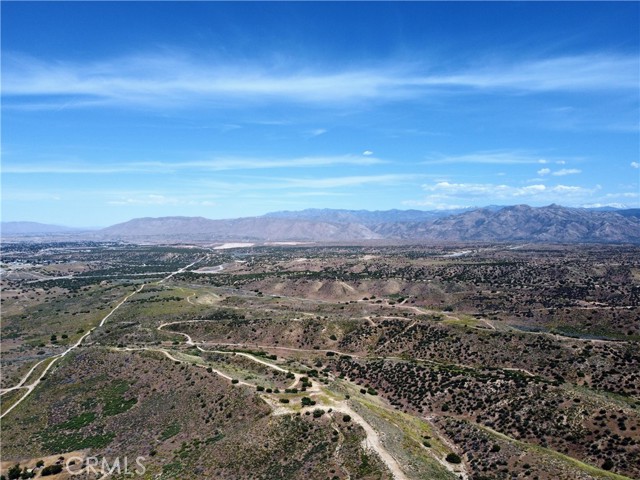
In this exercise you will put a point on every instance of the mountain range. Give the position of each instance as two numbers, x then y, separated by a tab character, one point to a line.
552	223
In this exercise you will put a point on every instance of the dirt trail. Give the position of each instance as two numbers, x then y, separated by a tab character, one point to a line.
372	441
55	358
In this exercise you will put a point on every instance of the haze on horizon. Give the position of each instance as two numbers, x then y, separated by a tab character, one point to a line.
112	111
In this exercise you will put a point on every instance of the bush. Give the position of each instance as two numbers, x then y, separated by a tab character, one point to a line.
608	464
235	380
495	448
318	412
453	458
14	472
346	418
51	470
284	400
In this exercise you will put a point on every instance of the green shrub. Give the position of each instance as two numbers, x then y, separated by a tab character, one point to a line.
453	458
51	470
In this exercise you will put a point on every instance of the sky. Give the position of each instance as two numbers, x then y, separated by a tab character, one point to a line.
118	110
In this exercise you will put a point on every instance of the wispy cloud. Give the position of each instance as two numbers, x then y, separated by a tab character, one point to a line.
635	164
317	132
216	164
566	171
158	200
348	181
559	173
495	157
173	79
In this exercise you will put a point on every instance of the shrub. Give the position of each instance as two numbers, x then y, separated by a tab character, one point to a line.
235	380
284	400
14	472
51	470
346	418
608	464
453	458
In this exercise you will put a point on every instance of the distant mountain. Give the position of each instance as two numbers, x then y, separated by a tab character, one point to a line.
491	224
545	224
33	228
365	217
255	229
629	212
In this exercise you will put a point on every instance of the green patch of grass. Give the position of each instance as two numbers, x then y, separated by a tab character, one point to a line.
10	398
76	423
214	439
53	441
365	468
171	470
170	431
114	401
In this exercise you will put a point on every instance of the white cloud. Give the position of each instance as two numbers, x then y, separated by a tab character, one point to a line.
367	153
560	162
317	132
216	164
622	195
600	205
566	171
635	164
449	193
494	157
178	80
544	171
433	205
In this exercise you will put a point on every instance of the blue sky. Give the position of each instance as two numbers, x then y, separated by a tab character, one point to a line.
112	111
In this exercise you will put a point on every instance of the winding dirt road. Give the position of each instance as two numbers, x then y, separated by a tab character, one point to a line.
53	360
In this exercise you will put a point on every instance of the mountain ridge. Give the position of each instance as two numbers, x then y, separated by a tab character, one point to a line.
552	223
